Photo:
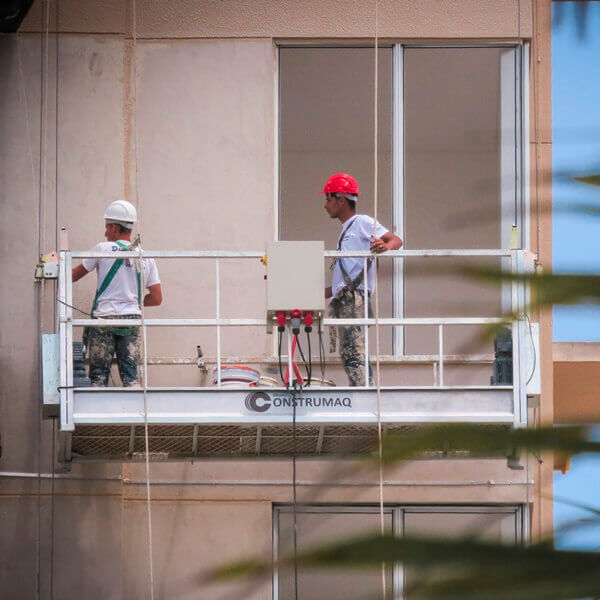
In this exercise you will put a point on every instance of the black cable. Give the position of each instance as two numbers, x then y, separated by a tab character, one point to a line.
52	510
309	359
532	348
294	491
302	355
74	307
279	358
321	350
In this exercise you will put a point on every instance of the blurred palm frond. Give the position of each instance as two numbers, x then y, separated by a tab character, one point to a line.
487	441
461	568
548	288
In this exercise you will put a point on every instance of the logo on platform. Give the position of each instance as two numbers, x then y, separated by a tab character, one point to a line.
258	401
261	402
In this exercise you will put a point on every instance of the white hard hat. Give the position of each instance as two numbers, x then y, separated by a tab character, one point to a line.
122	213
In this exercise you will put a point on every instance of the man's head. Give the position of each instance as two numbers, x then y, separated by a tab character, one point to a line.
341	194
116	231
119	218
339	205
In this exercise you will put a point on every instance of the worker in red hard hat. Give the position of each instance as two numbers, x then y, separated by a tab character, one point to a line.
347	291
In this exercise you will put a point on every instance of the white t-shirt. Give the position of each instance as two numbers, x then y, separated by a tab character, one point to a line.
121	296
356	235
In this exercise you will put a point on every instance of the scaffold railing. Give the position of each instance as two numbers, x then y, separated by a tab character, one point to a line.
516	260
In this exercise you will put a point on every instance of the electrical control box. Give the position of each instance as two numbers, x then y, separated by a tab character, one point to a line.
295	278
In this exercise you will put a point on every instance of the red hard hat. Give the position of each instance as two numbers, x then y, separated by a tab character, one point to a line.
341	183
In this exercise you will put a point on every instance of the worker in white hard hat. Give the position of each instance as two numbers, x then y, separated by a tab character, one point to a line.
118	296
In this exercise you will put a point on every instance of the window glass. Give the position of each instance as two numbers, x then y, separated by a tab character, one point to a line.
323	525
335	584
459	115
326	110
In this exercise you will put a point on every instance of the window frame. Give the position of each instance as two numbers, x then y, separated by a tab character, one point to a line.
522	216
398	513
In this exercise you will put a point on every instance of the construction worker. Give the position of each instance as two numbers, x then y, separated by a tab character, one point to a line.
347	292
118	296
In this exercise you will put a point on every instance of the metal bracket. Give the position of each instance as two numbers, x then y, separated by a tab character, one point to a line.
47	268
64	455
200	361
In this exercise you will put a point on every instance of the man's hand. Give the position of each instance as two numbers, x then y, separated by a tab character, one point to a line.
378	245
388	241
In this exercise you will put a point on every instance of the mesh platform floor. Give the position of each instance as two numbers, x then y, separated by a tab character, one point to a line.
125	442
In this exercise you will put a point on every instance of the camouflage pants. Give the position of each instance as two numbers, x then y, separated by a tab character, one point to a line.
351	305
103	343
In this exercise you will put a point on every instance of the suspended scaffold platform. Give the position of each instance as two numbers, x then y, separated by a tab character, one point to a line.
222	421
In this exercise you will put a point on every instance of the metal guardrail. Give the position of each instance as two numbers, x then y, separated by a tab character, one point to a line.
67	322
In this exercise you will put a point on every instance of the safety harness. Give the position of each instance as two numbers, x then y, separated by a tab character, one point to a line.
349	284
108	280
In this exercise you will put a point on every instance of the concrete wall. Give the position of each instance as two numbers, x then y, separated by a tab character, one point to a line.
576	364
205	178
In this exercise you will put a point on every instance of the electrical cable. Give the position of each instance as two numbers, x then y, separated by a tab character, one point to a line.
83	312
294	487
52	510
309	359
280	336
321	350
532	348
295	386
306	364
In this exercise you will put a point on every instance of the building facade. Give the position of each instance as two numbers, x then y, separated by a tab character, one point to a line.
221	122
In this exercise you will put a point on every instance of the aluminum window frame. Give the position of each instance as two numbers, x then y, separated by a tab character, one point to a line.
521	123
398	513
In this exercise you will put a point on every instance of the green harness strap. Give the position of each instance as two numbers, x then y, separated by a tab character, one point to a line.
107	281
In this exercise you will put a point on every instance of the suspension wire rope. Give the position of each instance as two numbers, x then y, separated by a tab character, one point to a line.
140	270
56	2
56	129
40	296
534	62
36	204
377	340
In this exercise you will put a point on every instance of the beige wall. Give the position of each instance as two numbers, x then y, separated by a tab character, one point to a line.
453	19
206	156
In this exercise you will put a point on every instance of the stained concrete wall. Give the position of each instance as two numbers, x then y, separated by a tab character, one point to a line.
205	127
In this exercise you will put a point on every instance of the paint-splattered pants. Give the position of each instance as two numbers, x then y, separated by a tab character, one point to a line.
103	343
351	305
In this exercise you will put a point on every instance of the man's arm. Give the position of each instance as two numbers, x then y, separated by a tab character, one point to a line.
328	292
154	295
388	241
78	272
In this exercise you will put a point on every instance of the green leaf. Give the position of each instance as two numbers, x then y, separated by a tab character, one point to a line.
463	569
242	568
589	179
549	288
486	441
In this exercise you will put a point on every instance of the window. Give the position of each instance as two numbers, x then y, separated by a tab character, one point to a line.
449	165
322	524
